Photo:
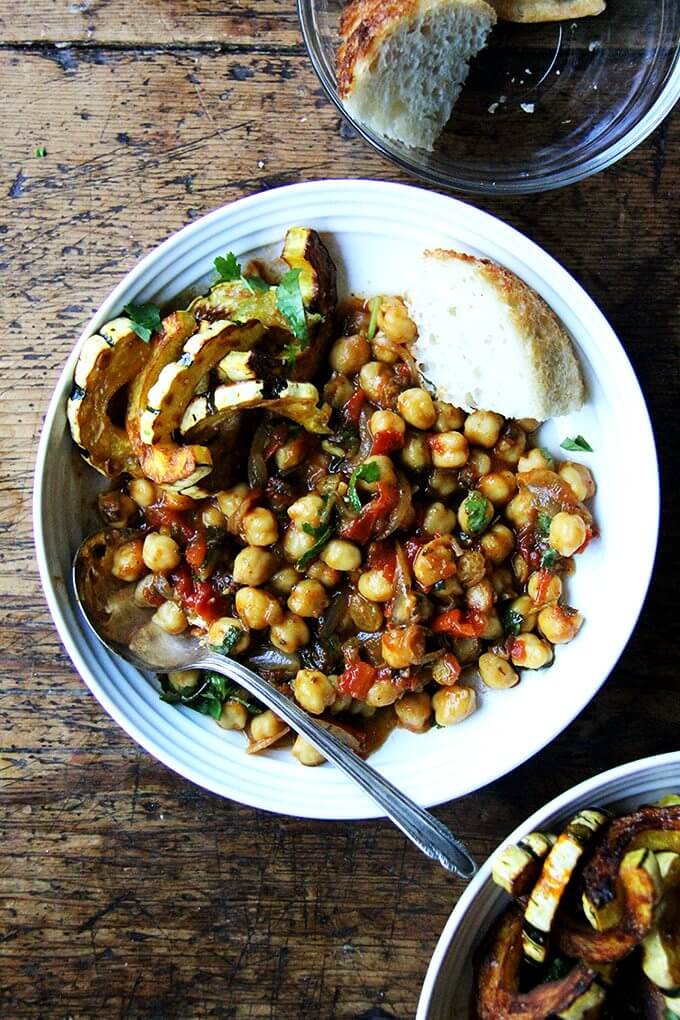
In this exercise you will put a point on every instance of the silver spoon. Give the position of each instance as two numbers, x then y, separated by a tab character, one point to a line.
127	630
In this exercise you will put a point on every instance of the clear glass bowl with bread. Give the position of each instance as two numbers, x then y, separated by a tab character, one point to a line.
545	103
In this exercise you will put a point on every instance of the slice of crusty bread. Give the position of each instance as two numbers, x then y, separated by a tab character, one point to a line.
488	341
546	10
402	63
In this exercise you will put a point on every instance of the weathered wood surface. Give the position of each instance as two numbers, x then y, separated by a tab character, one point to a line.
124	891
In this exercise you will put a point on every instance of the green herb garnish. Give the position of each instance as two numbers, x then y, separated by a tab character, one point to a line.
322	535
289	303
227	267
145	319
579	443
374	305
512	621
543	521
476	509
40	152
369	472
210	695
549	559
548	456
256	284
231	638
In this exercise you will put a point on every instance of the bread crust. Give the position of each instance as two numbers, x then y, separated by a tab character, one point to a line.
534	11
364	24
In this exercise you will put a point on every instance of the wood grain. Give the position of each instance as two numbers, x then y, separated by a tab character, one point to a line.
124	891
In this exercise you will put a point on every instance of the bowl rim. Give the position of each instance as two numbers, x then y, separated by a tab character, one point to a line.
636	135
557	806
468	221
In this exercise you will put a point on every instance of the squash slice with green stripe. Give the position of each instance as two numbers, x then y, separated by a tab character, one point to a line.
294	400
109	361
517	867
661	948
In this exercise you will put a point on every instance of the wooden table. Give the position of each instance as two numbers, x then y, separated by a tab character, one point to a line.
125	892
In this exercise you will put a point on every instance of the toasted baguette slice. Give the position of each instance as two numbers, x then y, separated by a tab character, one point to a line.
546	10
402	63
488	341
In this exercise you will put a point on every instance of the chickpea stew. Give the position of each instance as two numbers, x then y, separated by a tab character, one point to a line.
380	555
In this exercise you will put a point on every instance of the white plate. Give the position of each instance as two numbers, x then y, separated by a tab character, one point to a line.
448	982
374	232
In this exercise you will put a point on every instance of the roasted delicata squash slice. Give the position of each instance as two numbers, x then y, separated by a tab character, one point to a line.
557	870
303	249
517	867
234	301
498	996
661	947
109	361
589	1006
294	400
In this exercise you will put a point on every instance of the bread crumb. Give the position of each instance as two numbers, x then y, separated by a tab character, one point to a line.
528	107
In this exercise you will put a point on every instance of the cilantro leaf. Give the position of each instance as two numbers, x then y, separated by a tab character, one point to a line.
209	696
40	152
231	638
374	305
227	267
512	621
145	319
476	510
255	284
548	456
322	535
543	523
549	559
579	443
369	472
289	303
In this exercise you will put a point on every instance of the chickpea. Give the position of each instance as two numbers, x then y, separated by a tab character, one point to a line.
467	650
230	500
541	591
296	543
291	454
567	533
254	566
414	711
417	407
559	624
378	383
434	561
520	568
394	321
290	633
520	509
360	708
438	520
447	589
342	555
498	543
511	444
375	586
342	703
266	726
496	672
537	459
479	462
306	753
184	680
338	390
349	354
116	508
525	608
320	571
220	630
493	628
578	478
481	596
386	421
403	646
528	424
161	553
442	482
446	670
284	580
475	513
212	517
308	598
128	560
257	608
449	418
483	428
152	590
530	652
142	491
448	449
498	486
382	693
170	618
415	453
234	716
386	476
175	500
306	510
313	691
384	350
260	527
503	582
365	615
471	567
453	704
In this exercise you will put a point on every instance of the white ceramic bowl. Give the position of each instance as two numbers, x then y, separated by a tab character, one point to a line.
448	982
374	230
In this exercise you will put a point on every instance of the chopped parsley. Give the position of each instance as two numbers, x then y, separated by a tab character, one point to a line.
322	534
547	456
369	472
209	695
289	303
228	269
374	305
40	152
512	621
549	559
231	638
476	510
145	319
578	443
543	521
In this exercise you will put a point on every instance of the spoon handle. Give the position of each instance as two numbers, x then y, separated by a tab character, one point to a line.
427	832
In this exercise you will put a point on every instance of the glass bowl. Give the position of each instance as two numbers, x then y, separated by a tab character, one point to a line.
545	105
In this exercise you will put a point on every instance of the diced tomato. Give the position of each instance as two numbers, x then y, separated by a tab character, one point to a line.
459	624
413	545
403	374
590	535
357	679
383	502
544	579
199	596
276	441
515	648
159	516
352	409
197	548
387	441
382	556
